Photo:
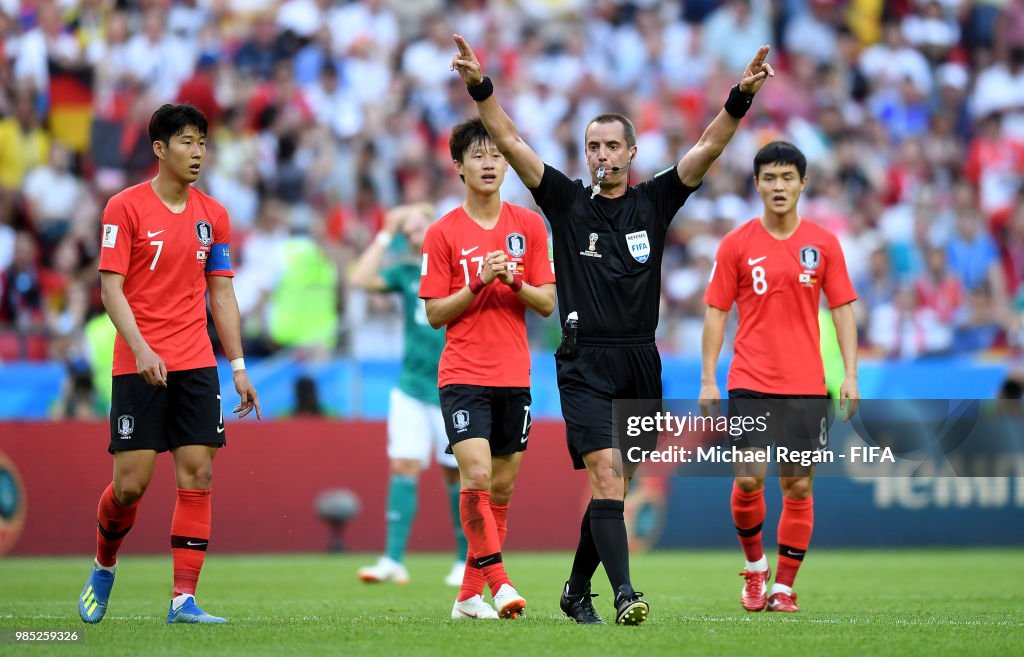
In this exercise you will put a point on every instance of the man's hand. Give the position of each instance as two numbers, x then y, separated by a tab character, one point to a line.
393	220
494	264
758	71
710	400
466	63
505	275
151	367
249	401
849	397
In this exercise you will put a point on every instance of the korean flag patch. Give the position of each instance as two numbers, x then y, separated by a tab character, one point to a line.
639	245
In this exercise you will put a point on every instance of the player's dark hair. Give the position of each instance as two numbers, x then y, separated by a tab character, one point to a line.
171	120
780	152
614	117
465	136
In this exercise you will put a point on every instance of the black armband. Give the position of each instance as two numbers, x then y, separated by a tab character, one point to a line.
482	90
738	102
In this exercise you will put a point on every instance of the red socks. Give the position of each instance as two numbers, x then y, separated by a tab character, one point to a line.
113	522
190	536
748	512
485	534
795	527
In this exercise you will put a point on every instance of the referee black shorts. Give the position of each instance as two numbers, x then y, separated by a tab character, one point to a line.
187	412
601	372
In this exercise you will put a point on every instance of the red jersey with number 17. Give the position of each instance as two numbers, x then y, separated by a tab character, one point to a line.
486	345
165	258
777	285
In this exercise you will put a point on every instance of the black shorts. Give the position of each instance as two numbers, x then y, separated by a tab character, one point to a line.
796	422
501	415
592	380
186	412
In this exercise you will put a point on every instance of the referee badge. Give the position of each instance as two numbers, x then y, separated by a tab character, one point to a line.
639	245
515	244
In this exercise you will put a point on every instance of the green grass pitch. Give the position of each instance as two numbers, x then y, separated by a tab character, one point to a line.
855	602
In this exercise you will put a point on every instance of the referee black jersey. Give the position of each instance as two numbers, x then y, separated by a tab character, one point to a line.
608	252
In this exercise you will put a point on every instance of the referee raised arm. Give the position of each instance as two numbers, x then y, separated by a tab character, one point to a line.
608	241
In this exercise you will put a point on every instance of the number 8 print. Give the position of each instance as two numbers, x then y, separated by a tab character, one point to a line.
760	282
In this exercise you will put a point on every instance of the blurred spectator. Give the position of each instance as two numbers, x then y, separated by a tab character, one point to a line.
904	330
938	288
736	28
307	398
52	193
22	288
24	143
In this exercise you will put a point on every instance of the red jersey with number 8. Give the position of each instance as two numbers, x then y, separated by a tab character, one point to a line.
777	285
486	345
165	258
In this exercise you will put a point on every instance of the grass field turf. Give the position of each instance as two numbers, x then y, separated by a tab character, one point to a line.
937	603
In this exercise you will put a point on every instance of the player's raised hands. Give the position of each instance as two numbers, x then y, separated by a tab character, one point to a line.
248	400
466	63
152	368
758	71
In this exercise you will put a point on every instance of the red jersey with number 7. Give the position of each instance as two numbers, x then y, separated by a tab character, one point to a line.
486	345
165	258
777	285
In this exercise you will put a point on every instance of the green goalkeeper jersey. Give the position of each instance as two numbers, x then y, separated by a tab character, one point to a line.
423	344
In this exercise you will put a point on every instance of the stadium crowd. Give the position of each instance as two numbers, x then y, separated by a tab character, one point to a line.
324	113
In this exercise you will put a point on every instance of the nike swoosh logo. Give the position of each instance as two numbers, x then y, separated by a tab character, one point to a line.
191	544
152	234
465	614
751	261
792	554
468	251
523	440
483	563
220	429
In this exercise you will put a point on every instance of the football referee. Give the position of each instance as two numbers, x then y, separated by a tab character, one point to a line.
608	241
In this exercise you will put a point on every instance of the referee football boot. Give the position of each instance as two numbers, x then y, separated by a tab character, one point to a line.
385	570
473	608
580	608
630	607
754	595
92	603
508	602
782	602
187	611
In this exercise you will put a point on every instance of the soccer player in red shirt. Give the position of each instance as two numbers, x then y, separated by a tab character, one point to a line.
774	269
165	244
484	264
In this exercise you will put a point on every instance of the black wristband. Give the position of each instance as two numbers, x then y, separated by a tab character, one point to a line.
482	90
738	102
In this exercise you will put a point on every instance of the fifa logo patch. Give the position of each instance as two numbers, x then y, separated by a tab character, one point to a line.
591	251
460	420
204	232
593	242
515	244
125	426
639	246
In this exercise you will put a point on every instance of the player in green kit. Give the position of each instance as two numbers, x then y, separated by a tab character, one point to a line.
415	424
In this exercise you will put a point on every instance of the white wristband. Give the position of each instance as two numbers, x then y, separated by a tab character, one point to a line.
237	364
383	239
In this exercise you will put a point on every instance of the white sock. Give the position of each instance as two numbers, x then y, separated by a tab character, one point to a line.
781	588
109	569
180	600
758	566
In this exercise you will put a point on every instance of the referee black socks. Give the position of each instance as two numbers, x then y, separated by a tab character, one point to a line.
586	561
609	531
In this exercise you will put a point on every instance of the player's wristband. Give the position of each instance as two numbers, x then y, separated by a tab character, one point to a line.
738	102
476	284
516	284
237	364
383	239
482	90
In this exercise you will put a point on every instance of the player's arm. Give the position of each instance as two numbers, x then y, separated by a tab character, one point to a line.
846	334
702	155
442	311
711	341
151	367
539	299
366	272
503	132
227	319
